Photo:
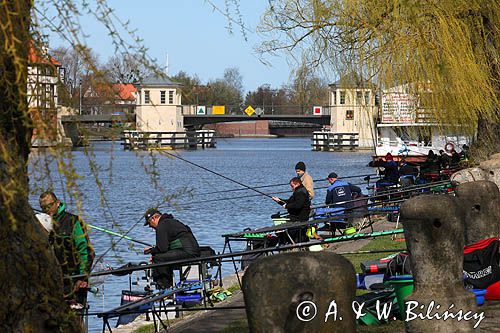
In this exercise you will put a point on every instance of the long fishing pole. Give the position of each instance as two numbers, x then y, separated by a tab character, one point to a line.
215	173
182	204
240	253
282	184
117	234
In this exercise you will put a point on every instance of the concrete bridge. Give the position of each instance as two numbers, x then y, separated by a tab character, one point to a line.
71	122
199	120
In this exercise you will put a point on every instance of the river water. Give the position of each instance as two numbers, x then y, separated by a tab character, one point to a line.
187	192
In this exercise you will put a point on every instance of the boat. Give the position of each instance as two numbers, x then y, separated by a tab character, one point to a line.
409	132
413	142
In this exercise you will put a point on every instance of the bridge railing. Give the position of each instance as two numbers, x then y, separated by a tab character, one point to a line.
329	141
133	140
266	109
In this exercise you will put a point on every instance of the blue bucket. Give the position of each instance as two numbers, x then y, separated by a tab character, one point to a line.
479	295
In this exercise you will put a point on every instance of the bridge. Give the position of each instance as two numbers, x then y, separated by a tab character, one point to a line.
200	120
191	122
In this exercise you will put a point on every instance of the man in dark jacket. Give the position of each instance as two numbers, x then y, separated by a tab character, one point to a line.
299	204
174	241
71	244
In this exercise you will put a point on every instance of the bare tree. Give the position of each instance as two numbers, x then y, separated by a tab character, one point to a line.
126	68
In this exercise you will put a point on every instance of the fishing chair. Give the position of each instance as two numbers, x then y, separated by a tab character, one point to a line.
197	272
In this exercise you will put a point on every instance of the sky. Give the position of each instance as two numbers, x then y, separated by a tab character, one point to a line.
195	37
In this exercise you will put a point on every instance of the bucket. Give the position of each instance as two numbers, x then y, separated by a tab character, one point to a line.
403	286
479	293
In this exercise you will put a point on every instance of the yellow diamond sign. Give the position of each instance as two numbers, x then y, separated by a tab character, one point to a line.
249	110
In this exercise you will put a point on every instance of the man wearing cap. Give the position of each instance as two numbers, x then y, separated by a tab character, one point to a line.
305	178
174	241
340	191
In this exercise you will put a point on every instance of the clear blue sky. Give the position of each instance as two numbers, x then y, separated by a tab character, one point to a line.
195	37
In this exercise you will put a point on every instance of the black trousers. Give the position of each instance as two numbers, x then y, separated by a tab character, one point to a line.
163	276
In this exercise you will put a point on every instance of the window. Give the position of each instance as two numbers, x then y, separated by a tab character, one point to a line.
342	97
349	114
146	97
367	98
359	96
163	95
170	97
334	98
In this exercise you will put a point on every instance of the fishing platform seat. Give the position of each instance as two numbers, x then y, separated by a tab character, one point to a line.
196	272
152	303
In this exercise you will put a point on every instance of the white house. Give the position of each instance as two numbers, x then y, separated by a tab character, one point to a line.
353	109
158	107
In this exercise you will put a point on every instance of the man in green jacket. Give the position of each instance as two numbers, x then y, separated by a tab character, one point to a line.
71	245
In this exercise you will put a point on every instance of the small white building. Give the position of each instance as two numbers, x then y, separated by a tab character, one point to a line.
353	109
158	107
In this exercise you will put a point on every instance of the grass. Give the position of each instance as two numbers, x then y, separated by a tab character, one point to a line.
379	243
234	288
150	328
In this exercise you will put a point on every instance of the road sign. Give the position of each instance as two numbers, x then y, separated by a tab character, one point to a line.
218	109
259	111
317	110
201	110
249	110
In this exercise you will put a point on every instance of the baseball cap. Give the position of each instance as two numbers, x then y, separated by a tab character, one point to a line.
149	213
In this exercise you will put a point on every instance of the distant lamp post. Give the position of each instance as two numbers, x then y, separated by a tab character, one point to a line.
80	97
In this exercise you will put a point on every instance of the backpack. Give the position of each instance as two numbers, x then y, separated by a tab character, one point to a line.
399	265
481	267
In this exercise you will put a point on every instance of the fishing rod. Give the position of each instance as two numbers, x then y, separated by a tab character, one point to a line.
408	189
123	271
282	184
107	231
214	172
182	204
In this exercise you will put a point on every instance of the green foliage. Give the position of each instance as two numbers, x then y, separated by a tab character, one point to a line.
447	49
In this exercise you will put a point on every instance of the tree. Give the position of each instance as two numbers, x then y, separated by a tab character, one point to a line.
126	68
448	48
307	89
29	272
30	275
193	93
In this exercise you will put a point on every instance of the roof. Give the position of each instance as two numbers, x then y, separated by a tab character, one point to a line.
158	81
352	80
125	91
34	57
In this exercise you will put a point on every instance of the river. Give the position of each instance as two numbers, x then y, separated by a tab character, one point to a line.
187	192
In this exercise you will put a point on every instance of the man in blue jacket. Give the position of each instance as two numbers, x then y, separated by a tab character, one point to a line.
340	191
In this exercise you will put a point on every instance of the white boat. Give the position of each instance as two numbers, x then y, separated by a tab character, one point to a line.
407	131
414	141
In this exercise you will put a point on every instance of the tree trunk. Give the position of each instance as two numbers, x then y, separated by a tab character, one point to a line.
31	280
488	133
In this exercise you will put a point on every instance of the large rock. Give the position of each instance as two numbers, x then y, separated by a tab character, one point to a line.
495	156
491	169
468	175
481	203
292	292
434	232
